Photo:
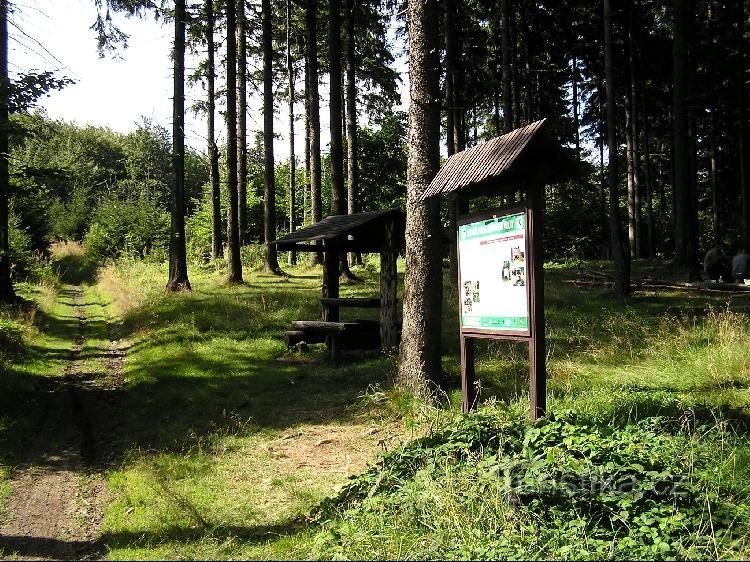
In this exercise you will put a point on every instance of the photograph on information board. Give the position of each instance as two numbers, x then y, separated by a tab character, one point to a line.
492	290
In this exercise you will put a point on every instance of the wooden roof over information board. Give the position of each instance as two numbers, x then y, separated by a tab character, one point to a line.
363	232
527	154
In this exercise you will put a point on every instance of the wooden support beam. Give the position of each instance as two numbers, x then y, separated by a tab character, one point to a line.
330	283
537	345
388	289
468	375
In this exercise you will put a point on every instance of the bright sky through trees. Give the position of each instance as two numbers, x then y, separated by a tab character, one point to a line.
117	91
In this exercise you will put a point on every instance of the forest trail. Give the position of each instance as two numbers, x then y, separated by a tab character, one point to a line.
57	495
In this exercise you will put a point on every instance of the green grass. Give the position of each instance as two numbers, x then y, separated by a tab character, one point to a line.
222	441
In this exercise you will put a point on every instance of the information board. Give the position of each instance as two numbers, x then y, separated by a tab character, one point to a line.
493	292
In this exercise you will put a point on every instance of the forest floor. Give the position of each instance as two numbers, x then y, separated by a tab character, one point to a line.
180	425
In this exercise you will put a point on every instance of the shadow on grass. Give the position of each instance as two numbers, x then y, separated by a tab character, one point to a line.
42	547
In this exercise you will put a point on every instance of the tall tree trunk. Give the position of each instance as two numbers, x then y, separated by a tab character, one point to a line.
420	360
647	175
311	41
629	159
686	243
338	191
338	200
217	250
742	125
292	159
715	215
242	121
449	16
620	255
576	122
269	182
306	199
508	119
234	264
7	294
178	276
352	165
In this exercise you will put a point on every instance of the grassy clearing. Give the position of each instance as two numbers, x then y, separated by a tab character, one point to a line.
226	438
224	441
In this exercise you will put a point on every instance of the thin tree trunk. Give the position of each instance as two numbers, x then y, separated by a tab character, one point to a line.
271	264
686	250
234	264
7	294
178	276
420	360
306	211
217	250
292	159
508	120
338	205
242	121
352	166
450	126
620	255
311	36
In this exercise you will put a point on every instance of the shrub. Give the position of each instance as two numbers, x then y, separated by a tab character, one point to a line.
21	250
131	228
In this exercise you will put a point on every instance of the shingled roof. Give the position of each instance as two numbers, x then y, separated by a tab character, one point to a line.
366	229
526	153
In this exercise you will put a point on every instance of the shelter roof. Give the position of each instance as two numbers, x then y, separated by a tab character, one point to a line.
365	230
527	154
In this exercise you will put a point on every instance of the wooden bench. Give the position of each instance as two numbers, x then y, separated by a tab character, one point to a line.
357	334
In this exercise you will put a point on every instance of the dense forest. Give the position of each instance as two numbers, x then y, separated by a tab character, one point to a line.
677	84
143	307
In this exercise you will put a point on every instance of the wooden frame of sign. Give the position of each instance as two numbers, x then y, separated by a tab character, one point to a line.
508	226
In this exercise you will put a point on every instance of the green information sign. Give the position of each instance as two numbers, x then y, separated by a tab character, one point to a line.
492	274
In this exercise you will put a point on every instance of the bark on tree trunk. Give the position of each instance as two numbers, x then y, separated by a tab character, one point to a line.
242	121
420	360
234	265
311	41
178	276
620	255
269	182
217	249
292	160
7	294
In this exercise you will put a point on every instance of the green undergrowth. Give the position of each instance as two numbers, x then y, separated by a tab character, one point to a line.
491	486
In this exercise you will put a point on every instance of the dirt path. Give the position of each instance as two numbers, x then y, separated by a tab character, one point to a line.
57	496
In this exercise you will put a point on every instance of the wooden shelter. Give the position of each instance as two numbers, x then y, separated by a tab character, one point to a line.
521	161
371	232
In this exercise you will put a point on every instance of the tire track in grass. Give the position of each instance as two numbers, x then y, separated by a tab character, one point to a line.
57	496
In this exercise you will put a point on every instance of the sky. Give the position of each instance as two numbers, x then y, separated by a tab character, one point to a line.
118	91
